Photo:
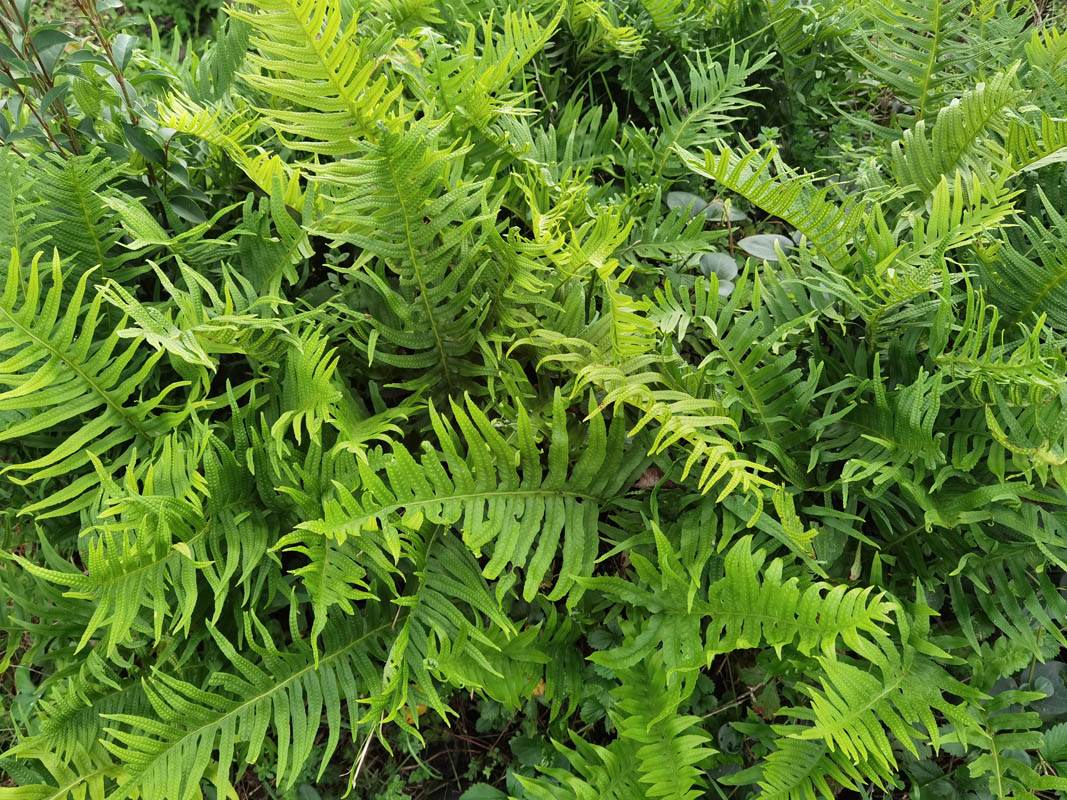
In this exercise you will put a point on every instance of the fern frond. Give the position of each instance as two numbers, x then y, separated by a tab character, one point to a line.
1005	586
790	196
316	61
1005	737
670	17
699	114
57	370
423	226
308	394
19	227
1024	368
808	770
918	48
506	505
1030	278
1036	143
200	331
287	694
229	132
475	83
83	228
962	137
676	235
854	706
87	775
153	540
900	270
603	773
672	745
751	606
680	417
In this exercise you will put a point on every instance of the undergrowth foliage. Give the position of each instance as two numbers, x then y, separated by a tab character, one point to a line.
669	397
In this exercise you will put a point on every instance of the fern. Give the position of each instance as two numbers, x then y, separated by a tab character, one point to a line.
918	48
74	375
714	97
498	505
959	137
746	608
87	230
671	744
318	62
1032	280
427	230
853	705
361	400
794	198
170	753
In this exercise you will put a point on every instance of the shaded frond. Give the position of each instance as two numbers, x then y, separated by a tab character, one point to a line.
696	112
422	229
1030	278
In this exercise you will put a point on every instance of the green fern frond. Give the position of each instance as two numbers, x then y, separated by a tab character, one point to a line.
315	60
751	606
676	235
228	132
1023	367
1003	587
85	230
475	83
287	694
680	417
1005	738
808	770
597	773
505	505
699	114
1030	278
200	331
790	196
597	29
920	49
308	396
670	17
962	137
155	537
421	226
86	776
671	745
853	707
899	270
1036	143
19	227
58	370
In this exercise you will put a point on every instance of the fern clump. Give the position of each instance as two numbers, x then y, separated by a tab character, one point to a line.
592	399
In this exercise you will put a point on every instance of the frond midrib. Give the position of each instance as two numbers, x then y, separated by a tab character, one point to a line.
76	368
416	266
437	499
237	709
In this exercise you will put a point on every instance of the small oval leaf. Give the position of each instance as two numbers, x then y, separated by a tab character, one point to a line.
686	200
762	245
722	264
719	212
